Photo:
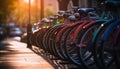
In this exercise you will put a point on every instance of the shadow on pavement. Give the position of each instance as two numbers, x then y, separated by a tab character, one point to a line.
3	46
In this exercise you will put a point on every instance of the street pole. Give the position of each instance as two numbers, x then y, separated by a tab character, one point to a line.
42	9
29	27
36	8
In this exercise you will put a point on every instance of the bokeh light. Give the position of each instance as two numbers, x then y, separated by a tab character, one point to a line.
27	1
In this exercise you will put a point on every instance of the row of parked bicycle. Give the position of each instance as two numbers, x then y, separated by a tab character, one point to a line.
81	39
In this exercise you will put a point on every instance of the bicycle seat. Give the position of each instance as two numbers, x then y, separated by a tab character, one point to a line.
72	17
53	17
86	9
61	12
66	15
77	15
46	20
58	15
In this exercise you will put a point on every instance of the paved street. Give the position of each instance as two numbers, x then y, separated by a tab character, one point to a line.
15	55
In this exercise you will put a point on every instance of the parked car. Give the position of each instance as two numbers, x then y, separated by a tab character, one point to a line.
16	31
2	33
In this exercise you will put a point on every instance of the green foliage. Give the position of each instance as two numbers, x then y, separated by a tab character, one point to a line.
6	6
21	14
48	12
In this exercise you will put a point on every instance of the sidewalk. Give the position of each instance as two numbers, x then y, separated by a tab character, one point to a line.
15	55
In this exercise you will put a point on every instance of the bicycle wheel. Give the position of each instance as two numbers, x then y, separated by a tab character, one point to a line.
51	40
71	48
96	48
64	38
39	38
107	45
57	43
116	47
85	54
45	38
85	39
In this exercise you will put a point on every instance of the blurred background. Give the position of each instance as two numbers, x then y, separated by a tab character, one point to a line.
14	14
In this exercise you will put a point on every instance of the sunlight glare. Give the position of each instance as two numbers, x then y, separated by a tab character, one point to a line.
27	1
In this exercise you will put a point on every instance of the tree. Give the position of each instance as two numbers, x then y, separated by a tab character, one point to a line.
48	12
6	6
20	13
